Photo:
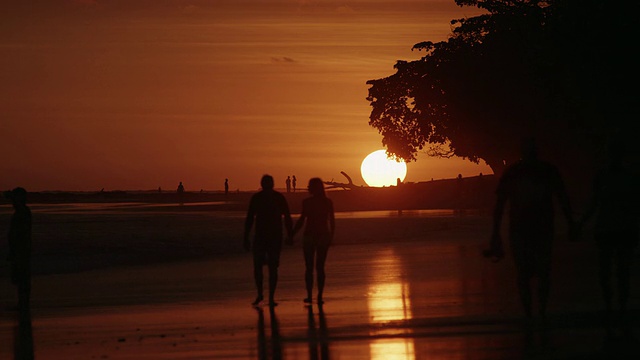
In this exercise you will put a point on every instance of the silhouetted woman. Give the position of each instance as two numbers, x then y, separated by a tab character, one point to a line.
317	212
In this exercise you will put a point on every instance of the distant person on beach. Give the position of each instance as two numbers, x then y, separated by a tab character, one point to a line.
318	214
226	187
288	183
20	245
615	199
294	183
267	208
180	192
529	186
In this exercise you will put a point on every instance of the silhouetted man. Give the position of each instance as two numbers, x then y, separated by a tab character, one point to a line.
529	186
615	199
20	245
180	192
226	187
268	207
288	183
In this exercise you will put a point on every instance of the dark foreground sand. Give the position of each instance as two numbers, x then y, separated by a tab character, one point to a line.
175	284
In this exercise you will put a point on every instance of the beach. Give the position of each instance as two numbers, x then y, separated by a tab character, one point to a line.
153	280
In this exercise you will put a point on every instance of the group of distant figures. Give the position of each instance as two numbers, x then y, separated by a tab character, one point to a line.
291	184
180	190
528	186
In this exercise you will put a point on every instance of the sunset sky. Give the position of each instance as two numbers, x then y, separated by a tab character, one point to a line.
136	94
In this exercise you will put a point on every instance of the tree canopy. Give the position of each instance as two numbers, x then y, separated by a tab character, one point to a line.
554	69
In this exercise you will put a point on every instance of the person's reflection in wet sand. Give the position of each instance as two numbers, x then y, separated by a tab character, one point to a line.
318	337
23	336
273	348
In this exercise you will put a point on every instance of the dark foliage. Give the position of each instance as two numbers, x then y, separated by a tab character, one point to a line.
558	70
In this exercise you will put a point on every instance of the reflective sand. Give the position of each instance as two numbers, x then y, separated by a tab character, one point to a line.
408	297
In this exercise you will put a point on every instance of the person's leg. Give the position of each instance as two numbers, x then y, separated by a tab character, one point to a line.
24	294
523	263
258	276
543	270
544	284
321	258
605	262
274	263
624	258
524	290
273	283
309	255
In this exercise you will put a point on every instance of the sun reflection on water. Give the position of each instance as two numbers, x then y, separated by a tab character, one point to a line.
388	301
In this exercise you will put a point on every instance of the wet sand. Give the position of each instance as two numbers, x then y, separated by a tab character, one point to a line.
397	288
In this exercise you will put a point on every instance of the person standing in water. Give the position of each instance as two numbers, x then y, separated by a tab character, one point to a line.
318	214
267	208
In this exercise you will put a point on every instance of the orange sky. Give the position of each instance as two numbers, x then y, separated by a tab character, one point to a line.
136	94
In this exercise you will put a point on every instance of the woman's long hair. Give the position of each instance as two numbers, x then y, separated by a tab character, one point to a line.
316	187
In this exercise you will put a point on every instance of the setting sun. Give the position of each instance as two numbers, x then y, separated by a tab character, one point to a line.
379	170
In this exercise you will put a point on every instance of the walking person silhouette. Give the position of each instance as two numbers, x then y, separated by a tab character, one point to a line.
529	186
318	214
288	183
267	208
20	246
615	200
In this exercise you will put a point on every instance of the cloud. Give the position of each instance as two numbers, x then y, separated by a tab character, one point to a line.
283	59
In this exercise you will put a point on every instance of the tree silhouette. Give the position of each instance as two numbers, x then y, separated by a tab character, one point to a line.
525	67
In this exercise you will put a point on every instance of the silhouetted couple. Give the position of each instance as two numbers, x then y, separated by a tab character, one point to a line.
616	198
530	186
269	208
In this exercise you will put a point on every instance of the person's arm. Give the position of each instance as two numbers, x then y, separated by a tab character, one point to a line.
11	242
496	246
563	199
298	225
495	250
332	221
593	203
565	206
248	224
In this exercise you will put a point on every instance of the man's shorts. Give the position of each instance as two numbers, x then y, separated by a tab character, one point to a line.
267	252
